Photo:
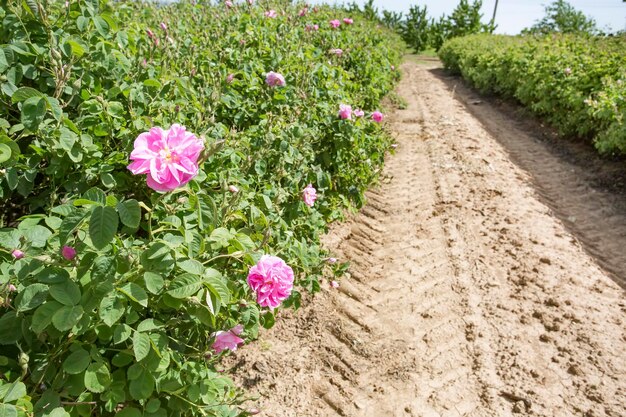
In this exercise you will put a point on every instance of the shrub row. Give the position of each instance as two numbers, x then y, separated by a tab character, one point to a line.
577	83
116	299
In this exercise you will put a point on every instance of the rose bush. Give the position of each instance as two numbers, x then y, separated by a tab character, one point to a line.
127	243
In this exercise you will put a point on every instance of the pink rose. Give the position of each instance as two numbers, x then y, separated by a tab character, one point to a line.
336	51
17	254
348	21
334	284
331	260
377	116
309	195
164	26
335	23
68	252
233	189
12	288
230	78
274	79
358	113
228	339
303	12
272	280
271	13
567	71
150	33
169	157
228	3
345	111
250	2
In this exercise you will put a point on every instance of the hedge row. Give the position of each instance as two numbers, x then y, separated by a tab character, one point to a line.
577	83
116	298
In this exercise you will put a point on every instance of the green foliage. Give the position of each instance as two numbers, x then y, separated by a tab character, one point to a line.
415	30
578	83
125	327
562	17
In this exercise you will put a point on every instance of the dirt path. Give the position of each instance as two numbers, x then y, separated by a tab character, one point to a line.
467	296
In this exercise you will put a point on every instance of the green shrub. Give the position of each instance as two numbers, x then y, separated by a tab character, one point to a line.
125	327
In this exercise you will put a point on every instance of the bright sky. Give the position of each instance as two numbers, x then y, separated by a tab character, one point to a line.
514	15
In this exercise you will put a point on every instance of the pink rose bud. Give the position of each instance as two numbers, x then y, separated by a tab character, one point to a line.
169	157
272	280
316	27
568	71
393	67
233	189
250	2
334	284
345	111
358	113
377	116
274	79
316	9
163	26
228	339
230	78
67	4
242	41
271	13
68	252
302	12
17	254
331	260
335	23
228	4
253	411
12	288
348	21
309	195
336	51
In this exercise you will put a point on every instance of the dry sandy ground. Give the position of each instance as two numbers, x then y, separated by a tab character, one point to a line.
467	293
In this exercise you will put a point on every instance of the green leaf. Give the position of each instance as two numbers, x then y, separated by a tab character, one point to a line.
130	213
66	317
67	139
192	266
66	293
77	362
24	93
33	112
142	387
43	316
96	195
55	108
10	328
31	297
154	282
129	412
4	64
102	226
5	152
37	235
70	224
111	309
77	48
220	236
135	293
58	412
184	285
121	332
148	325
52	275
213	280
8	410
141	345
158	258
97	377
12	392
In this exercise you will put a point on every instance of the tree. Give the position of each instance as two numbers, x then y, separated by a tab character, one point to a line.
562	17
414	28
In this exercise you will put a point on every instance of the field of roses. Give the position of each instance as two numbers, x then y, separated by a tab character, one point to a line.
576	82
165	174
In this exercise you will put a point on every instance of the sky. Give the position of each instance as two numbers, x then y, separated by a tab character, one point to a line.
514	15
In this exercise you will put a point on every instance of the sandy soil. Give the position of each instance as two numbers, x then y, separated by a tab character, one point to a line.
475	287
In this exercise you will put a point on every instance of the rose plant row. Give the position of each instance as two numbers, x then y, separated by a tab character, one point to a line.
576	82
166	172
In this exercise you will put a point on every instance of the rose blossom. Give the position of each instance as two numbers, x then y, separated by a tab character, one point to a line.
377	116
358	113
163	26
270	13
169	157
335	23
17	254
233	189
345	111
228	339
348	21
230	78
274	79
334	284
228	3
68	252
303	12
272	280
336	51
567	71
331	260
309	195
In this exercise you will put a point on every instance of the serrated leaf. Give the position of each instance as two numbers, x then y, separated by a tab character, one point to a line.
97	377
31	297
130	213
77	48
149	324
213	280
43	316
70	224
102	226
154	282
37	235
192	266
184	285
77	362
141	345
33	112
67	317
141	388
10	328
121	332
24	93
135	293
111	309
58	412
66	293
8	410
13	391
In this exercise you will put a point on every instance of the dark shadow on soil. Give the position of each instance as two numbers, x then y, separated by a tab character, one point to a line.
586	191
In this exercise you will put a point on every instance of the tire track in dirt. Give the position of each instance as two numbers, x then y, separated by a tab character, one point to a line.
465	296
